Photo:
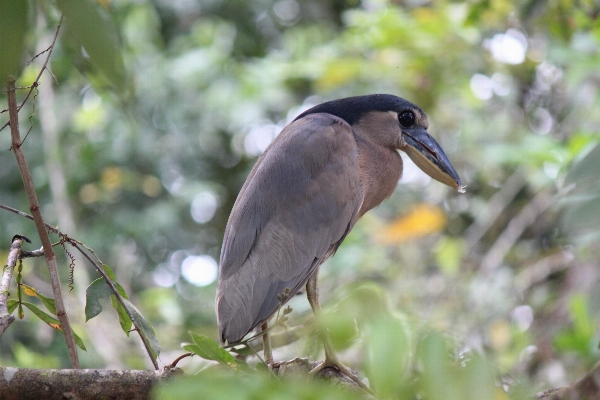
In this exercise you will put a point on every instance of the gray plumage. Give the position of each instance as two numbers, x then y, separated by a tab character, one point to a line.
325	169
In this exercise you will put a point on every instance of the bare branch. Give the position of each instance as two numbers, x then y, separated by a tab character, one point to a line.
39	221
15	249
37	79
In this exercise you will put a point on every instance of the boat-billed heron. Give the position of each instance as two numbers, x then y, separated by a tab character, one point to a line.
324	171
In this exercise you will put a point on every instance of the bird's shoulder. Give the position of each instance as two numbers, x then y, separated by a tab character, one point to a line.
318	133
306	174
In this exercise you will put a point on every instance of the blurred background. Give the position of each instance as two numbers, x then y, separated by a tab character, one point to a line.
141	156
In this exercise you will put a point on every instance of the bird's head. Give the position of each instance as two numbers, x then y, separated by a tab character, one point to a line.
394	122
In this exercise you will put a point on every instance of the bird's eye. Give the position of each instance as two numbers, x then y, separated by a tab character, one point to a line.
406	118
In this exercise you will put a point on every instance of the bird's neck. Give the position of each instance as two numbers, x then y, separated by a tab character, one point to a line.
380	169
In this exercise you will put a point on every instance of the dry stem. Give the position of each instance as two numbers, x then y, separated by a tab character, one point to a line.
39	221
15	250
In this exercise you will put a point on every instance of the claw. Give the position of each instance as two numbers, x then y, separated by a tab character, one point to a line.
328	363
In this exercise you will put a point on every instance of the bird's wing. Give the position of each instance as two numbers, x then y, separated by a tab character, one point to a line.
295	208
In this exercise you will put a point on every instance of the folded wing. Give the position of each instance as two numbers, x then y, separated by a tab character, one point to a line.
297	205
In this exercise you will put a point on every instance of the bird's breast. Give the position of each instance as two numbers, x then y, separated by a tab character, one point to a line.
380	169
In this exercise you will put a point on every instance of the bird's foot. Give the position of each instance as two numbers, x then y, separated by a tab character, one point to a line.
343	369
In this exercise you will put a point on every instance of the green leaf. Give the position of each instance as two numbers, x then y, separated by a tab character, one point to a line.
389	356
449	253
109	272
52	322
477	381
146	329
12	305
124	319
97	290
208	349
33	292
243	351
14	23
585	170
582	323
192	348
98	35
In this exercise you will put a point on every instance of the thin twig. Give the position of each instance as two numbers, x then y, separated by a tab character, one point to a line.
34	253
98	265
39	221
48	226
15	249
181	357
39	54
36	82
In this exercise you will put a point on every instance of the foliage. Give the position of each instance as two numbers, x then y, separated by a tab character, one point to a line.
160	109
400	362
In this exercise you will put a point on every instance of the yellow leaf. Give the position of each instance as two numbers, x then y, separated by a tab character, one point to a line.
423	220
29	291
55	326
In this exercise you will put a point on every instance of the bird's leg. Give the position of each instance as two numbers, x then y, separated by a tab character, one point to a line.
267	349
331	360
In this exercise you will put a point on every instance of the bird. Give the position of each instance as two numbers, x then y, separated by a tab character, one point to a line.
325	170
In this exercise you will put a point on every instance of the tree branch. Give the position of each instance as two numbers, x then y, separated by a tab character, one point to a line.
13	255
39	221
59	384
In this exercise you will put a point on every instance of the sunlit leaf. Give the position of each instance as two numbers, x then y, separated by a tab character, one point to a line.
243	351
228	384
29	291
580	336
389	356
449	253
14	23
208	349
477	380
423	220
